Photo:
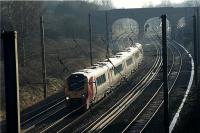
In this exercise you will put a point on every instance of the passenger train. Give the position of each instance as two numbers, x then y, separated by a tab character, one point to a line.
90	85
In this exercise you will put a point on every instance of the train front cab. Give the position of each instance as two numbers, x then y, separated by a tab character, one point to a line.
76	90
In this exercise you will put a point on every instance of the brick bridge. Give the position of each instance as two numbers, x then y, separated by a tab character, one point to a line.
140	15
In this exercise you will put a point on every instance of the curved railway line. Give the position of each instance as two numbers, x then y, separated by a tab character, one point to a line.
73	125
139	123
62	122
132	109
110	115
100	125
35	118
125	102
177	96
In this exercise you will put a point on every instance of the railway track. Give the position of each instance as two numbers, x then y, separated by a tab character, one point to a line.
41	118
26	115
111	115
100	125
176	96
104	128
116	108
35	117
55	121
67	118
38	119
142	118
35	128
139	123
58	118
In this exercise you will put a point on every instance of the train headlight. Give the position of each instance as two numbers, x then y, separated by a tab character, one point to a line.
67	98
83	95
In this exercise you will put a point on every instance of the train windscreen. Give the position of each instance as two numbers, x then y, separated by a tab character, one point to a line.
76	82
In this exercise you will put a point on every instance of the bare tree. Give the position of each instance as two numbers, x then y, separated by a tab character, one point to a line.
166	3
22	16
106	4
197	3
192	3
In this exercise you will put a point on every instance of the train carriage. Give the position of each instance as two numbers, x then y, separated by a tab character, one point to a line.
90	85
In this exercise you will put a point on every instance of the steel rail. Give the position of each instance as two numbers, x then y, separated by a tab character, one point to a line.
102	128
149	73
101	123
143	122
35	123
54	124
39	109
58	121
74	111
42	112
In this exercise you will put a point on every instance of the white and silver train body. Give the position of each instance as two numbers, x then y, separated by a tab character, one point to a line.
90	85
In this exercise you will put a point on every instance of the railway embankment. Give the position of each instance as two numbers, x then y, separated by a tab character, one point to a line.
190	116
62	58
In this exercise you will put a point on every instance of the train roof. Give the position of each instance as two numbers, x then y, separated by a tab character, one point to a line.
138	45
100	66
108	63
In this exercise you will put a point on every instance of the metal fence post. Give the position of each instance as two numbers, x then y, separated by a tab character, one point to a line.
165	78
11	81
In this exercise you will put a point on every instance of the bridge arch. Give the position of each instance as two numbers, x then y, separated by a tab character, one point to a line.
153	26
121	26
141	15
125	25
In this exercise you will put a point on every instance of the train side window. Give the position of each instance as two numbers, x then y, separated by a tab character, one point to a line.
118	69
101	79
129	61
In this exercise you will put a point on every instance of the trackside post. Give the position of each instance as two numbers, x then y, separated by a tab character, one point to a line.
195	51
9	39
165	78
198	34
107	35
90	39
43	57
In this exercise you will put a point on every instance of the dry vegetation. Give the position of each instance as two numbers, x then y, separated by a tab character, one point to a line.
65	53
62	58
